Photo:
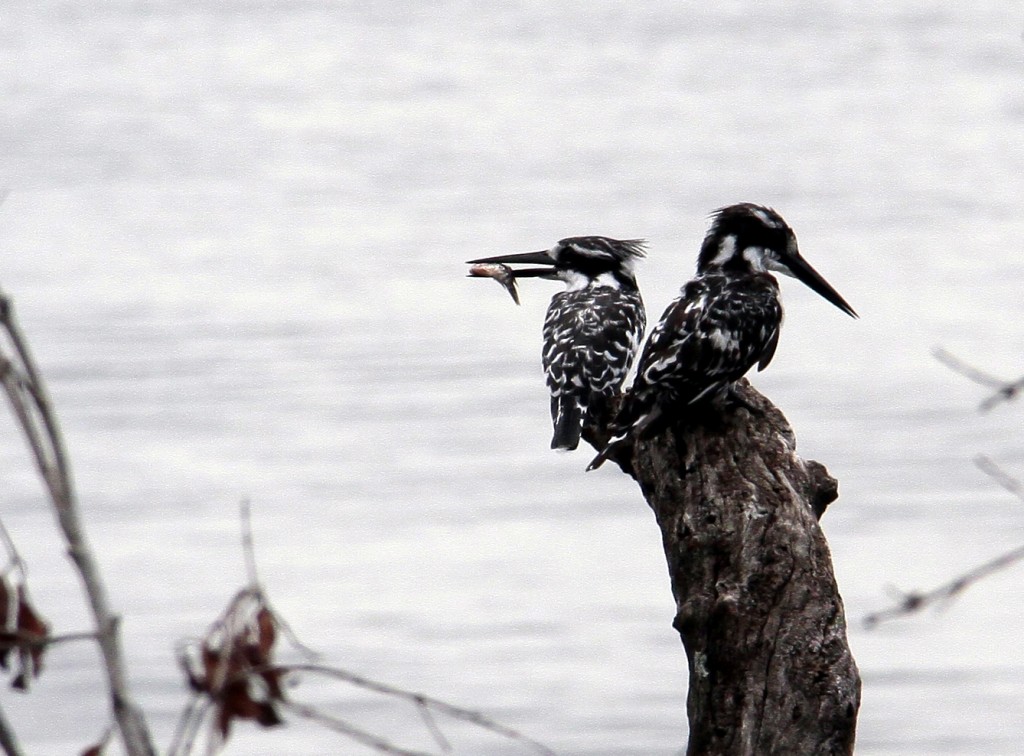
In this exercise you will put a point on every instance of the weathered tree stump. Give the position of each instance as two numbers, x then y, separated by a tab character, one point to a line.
758	609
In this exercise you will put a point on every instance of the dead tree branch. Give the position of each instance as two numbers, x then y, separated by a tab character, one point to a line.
234	678
1004	390
340	726
31	404
425	704
757	606
913	602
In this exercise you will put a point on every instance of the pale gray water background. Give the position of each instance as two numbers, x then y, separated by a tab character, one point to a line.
235	235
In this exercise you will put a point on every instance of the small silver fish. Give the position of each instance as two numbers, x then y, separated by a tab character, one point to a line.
500	273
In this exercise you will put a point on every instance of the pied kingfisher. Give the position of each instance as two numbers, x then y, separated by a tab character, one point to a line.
592	330
725	321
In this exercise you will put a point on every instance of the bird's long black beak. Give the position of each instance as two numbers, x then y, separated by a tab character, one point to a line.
525	258
802	271
533	258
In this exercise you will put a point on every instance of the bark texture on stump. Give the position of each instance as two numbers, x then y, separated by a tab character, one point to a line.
758	609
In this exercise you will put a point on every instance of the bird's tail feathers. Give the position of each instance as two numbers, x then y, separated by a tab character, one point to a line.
611	449
627	429
568	421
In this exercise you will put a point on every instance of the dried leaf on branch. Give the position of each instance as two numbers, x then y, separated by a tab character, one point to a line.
22	630
27	635
233	676
232	666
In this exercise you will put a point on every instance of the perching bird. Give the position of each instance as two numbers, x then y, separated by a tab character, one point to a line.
725	321
592	330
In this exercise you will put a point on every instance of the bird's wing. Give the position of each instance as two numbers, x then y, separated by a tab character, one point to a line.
708	337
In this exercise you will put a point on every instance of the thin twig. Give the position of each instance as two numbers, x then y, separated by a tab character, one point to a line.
14	385
293	640
1005	390
1000	476
252	572
431	724
30	640
910	603
33	409
1005	394
8	740
189	722
915	602
248	546
455	712
339	725
16	563
235	654
33	383
968	371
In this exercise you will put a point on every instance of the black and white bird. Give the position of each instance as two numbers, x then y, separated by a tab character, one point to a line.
592	330
725	321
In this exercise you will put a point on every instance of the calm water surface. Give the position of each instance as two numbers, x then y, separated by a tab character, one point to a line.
235	234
